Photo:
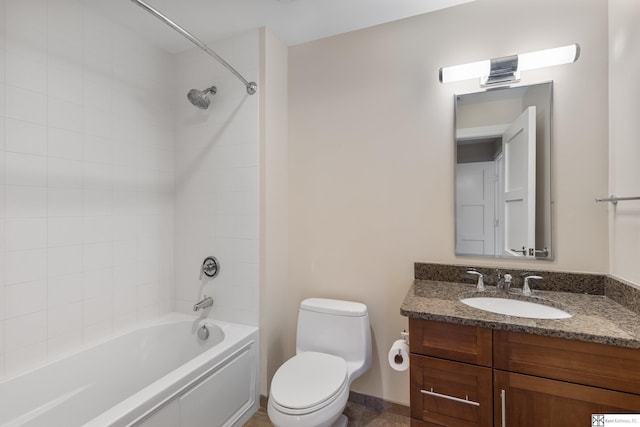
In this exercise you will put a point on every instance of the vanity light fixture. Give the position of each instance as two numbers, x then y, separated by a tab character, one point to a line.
507	69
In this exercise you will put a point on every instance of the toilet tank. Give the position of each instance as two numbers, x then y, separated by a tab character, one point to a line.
336	327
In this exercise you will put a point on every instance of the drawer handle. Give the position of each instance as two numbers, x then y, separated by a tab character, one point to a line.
503	398
444	396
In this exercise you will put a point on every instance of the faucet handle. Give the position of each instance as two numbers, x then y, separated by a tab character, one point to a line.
210	267
480	286
525	288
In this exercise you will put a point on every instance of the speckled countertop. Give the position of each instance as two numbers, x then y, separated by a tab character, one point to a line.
596	318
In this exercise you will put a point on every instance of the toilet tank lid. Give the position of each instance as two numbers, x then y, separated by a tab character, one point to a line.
334	306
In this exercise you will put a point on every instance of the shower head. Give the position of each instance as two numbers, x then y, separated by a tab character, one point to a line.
200	98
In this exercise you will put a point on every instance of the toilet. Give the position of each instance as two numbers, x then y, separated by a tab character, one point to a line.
333	348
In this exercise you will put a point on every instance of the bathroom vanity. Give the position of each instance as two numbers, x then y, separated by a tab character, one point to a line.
470	367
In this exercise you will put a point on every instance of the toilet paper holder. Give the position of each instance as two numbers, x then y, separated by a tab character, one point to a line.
405	337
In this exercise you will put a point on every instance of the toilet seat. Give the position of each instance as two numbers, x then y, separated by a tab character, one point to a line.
308	382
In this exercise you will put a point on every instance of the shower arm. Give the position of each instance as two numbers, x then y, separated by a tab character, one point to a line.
251	86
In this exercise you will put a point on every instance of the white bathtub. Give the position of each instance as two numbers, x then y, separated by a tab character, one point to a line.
158	375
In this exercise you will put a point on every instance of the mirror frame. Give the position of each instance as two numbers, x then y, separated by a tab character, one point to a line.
546	223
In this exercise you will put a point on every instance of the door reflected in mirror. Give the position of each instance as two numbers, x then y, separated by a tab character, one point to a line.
503	172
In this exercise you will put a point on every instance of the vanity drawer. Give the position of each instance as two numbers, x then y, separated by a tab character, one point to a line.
445	393
592	364
461	343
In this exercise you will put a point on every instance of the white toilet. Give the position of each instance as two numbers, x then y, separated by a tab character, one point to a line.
333	348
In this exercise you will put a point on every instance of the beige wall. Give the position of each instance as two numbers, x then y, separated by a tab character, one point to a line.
277	301
624	105
371	154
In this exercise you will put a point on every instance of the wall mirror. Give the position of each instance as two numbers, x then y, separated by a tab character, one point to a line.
503	200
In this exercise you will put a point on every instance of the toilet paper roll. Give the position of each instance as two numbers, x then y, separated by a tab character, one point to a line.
399	356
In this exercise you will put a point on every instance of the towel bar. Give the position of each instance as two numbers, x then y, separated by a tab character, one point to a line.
615	199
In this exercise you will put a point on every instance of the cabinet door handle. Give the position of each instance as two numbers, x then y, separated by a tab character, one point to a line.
444	396
503	398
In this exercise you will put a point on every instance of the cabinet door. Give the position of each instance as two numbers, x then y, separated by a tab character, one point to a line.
530	401
445	393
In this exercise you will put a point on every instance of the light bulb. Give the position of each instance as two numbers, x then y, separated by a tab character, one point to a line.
548	57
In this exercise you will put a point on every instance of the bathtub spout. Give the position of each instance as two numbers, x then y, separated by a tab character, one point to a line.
205	303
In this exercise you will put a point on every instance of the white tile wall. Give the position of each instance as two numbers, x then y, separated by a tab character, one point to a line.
86	179
25	298
25	137
89	241
216	183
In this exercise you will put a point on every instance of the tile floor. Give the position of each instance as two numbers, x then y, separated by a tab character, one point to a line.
358	415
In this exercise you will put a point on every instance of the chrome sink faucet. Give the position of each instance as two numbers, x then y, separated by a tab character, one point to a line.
504	282
205	303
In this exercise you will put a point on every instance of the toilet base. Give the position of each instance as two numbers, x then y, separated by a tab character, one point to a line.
322	418
341	421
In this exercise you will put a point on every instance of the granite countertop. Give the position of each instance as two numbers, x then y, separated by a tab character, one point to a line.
596	318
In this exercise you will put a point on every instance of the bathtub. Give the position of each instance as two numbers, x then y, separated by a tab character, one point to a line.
157	375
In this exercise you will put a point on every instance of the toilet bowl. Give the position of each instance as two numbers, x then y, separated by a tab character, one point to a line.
333	347
310	389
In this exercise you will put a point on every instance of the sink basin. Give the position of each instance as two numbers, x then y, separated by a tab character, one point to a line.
514	307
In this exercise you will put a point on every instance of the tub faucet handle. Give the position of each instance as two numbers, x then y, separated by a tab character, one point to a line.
210	267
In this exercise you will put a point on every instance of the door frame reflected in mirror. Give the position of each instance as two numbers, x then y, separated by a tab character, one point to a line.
481	173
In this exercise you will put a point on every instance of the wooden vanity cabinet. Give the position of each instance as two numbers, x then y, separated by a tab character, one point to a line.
533	380
559	382
451	376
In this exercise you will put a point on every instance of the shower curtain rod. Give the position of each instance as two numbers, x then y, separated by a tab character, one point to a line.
251	86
